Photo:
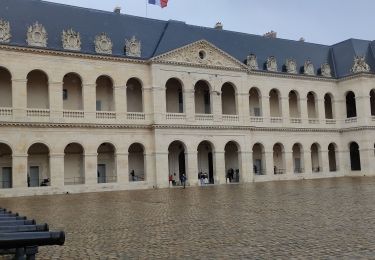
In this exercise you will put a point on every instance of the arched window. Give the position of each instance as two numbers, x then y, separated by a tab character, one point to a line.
38	165
72	92
104	94
275	103
328	106
202	98
136	160
351	108
6	177
355	158
134	96
255	102
74	169
294	106
5	88
278	159
315	158
311	106
206	161
177	162
372	102
106	170
332	150
228	99
232	167
259	159
37	90
174	96
298	162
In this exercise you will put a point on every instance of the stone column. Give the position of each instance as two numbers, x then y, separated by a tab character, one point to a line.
324	167
191	158
160	106
57	170
55	100
91	168
150	170
367	161
161	168
269	163
89	101
289	162
219	167
363	108
19	98
189	105
119	93
122	168
285	113
303	108
242	107
307	161
344	161
321	110
19	170
245	166
216	108
266	107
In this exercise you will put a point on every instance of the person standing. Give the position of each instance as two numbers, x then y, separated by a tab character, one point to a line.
170	179
183	180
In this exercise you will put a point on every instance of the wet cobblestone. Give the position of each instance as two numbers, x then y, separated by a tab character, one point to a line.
317	219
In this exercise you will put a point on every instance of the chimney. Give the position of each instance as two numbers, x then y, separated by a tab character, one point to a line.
117	10
219	26
270	34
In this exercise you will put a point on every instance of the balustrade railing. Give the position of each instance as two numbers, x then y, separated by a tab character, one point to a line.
350	120
299	170
135	116
175	116
74	181
330	121
316	169
256	119
278	171
107	179
230	118
313	121
295	120
73	114
4	111
276	120
204	117
38	112
105	115
373	118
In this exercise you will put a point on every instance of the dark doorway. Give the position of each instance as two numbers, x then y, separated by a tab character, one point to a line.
351	108
210	169
181	163
355	158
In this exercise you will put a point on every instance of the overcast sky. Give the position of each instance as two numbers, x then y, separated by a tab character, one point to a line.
319	21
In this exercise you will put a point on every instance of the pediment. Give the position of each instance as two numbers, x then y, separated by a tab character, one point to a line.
200	53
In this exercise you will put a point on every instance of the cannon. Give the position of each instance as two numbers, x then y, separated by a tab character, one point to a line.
17	222
27	239
24	228
6	218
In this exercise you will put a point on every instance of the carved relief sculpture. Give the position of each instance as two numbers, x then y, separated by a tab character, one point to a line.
360	65
71	40
37	35
133	47
326	70
4	31
291	66
308	68
252	62
271	64
103	44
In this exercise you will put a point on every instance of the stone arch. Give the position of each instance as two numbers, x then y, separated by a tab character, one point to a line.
202	97
275	103
174	96
134	95
316	161
355	157
6	162
312	108
137	162
332	157
228	99
372	102
38	165
206	159
255	102
177	161
232	161
294	104
351	106
72	91
5	88
74	167
259	159
104	94
328	106
298	158
37	90
278	158
106	163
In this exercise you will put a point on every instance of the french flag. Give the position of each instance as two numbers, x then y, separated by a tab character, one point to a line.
161	3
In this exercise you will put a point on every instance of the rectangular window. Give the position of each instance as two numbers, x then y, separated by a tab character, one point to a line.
98	105
256	111
65	94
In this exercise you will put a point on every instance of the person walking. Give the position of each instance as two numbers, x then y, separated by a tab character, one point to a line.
183	180
170	179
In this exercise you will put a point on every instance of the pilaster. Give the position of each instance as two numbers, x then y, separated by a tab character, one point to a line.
192	167
57	170
122	168
19	98
219	167
91	168
89	100
56	100
19	168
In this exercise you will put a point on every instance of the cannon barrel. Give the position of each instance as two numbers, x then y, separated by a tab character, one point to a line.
17	222
9	215
12	218
24	228
25	239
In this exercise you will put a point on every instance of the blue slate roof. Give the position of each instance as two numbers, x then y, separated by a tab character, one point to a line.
158	36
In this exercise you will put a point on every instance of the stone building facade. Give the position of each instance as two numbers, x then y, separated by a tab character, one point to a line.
92	112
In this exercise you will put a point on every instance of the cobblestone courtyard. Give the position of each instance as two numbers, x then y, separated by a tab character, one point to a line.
326	219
